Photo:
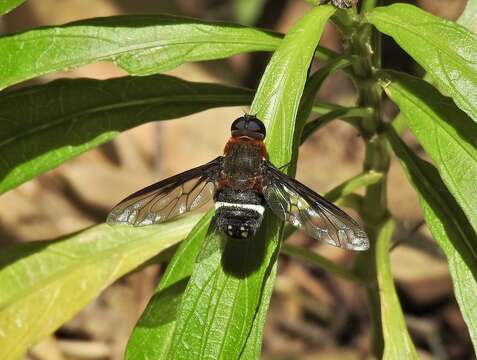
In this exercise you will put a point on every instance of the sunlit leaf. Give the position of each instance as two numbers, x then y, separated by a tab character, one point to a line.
278	95
446	50
140	44
448	225
43	126
447	134
44	283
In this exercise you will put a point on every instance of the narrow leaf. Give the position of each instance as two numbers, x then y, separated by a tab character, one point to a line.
152	335
312	86
8	5
447	134
44	283
397	342
43	126
446	50
351	115
278	95
141	45
449	226
464	278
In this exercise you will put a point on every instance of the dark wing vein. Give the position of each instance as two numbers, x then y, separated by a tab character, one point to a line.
169	198
302	207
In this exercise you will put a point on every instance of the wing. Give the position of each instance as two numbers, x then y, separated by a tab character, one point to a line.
169	198
295	203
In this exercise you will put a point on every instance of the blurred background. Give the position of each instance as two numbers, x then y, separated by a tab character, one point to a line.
313	315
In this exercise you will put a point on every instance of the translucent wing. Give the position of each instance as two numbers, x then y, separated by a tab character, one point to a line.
302	207
169	198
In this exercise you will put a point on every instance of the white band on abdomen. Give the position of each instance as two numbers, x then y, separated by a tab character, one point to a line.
258	208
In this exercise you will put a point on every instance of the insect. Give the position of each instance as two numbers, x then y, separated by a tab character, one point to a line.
242	184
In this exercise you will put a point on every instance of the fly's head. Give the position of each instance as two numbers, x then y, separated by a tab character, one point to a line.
248	126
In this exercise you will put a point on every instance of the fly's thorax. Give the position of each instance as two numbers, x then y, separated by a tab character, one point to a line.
243	160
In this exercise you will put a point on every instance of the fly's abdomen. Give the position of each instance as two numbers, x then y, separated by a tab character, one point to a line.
239	213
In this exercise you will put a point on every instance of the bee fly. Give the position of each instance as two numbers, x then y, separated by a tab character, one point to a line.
242	184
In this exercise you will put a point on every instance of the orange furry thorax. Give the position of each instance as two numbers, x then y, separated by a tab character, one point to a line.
246	139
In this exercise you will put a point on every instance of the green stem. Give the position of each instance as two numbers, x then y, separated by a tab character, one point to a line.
364	42
320	261
322	107
326	54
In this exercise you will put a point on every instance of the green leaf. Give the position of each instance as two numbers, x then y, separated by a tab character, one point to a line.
468	18
447	134
44	283
141	45
278	96
449	226
43	126
152	334
447	51
313	84
464	277
8	5
397	342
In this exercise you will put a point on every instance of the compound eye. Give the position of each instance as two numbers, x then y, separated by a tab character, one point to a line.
256	126
239	124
